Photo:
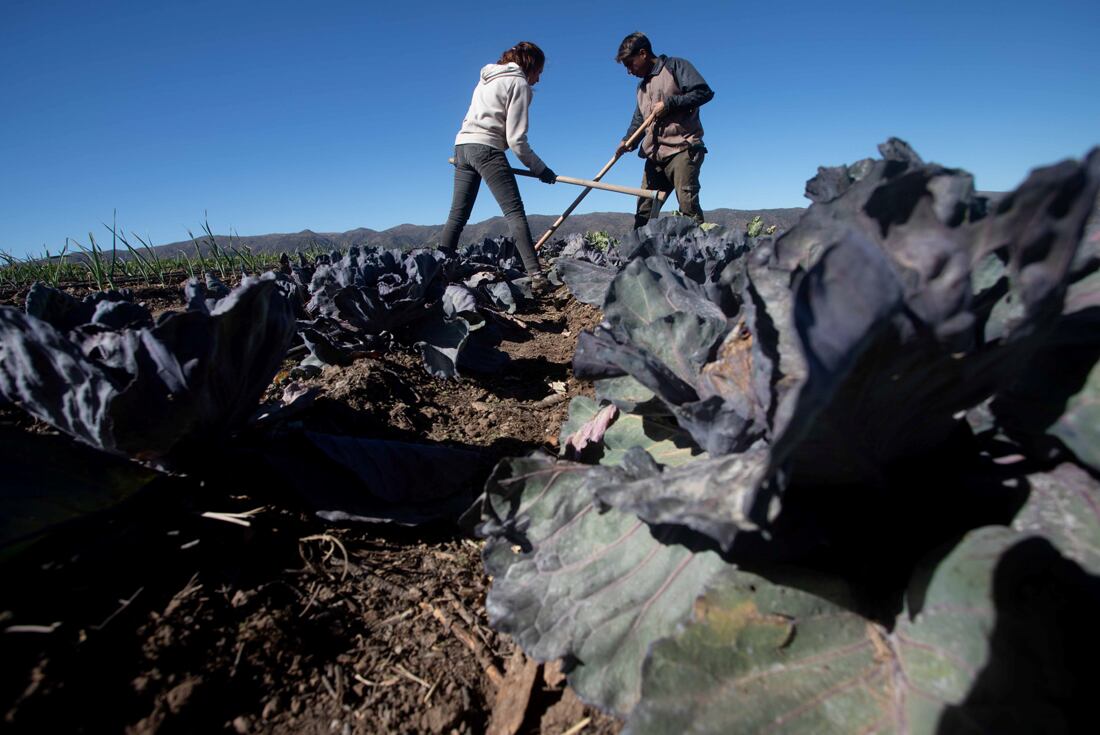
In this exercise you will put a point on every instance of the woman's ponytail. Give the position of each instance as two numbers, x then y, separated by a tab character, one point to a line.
529	57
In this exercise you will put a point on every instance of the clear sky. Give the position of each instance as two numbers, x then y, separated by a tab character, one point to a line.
280	116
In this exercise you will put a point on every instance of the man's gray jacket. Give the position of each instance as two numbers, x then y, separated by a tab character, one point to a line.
683	90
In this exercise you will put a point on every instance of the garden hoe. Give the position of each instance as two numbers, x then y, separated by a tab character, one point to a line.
595	183
658	196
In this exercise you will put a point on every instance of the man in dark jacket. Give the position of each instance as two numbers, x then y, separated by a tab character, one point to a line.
673	148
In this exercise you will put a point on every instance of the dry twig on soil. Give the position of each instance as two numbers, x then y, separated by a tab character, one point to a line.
33	628
334	543
411	676
475	646
123	604
578	727
552	400
514	696
241	519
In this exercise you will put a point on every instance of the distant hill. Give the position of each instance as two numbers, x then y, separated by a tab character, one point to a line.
616	224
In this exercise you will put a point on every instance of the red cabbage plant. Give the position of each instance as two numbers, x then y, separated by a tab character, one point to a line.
819	504
142	390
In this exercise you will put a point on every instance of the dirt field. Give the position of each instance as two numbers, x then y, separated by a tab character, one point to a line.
155	619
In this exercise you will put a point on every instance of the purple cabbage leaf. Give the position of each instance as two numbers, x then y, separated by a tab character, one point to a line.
760	655
51	481
140	392
812	511
387	297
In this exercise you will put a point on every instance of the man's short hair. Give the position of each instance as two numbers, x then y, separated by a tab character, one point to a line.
631	45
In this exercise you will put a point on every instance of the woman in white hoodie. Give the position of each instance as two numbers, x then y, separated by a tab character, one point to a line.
497	119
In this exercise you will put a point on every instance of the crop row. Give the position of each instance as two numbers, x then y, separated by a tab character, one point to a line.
839	479
126	264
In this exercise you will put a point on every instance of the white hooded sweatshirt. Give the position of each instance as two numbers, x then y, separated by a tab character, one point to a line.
498	113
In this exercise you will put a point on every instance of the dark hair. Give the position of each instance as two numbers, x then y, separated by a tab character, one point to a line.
529	57
631	45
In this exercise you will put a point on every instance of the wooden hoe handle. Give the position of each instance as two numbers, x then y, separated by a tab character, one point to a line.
634	138
591	184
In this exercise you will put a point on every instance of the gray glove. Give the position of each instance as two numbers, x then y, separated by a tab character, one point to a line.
548	176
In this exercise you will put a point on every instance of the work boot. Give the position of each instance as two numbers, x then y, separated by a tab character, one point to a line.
540	287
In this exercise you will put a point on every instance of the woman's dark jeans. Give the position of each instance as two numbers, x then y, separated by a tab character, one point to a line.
474	162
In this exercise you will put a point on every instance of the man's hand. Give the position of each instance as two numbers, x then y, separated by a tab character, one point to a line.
548	176
622	148
660	108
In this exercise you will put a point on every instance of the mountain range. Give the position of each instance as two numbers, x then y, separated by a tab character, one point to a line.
615	224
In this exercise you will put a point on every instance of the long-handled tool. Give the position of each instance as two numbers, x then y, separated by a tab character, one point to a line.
593	184
618	154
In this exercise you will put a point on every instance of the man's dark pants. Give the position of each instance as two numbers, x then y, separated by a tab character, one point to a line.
680	174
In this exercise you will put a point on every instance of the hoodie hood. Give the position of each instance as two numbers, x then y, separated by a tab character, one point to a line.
489	72
498	113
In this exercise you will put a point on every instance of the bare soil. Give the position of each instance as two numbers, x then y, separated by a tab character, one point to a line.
152	618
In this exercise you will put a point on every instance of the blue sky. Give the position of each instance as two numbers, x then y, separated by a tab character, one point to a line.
283	116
